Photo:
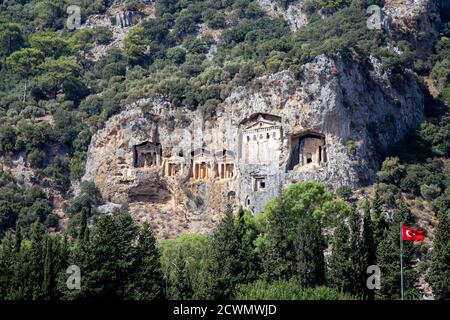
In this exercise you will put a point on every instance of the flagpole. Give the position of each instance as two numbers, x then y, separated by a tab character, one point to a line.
401	260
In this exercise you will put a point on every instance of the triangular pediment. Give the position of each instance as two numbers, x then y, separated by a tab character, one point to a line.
261	123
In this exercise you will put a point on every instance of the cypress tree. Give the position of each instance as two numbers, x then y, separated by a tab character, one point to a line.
223	266
61	262
49	276
439	274
37	260
249	264
18	238
357	256
388	259
278	262
8	257
99	262
147	282
128	233
340	269
379	220
309	247
369	249
83	235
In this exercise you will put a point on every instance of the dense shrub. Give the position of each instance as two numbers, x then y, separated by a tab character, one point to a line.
287	290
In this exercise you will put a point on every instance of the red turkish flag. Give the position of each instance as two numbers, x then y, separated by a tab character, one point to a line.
409	234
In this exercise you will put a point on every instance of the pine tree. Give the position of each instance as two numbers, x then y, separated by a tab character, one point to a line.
7	262
223	265
148	280
61	262
249	264
309	248
83	235
128	235
278	262
37	260
49	275
99	262
369	249
388	259
111	256
379	220
18	238
357	256
340	268
439	274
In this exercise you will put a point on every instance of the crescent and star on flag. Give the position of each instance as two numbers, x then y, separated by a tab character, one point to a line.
409	234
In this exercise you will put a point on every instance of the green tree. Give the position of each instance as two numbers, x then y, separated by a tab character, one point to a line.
279	260
391	171
439	274
184	262
8	135
135	45
379	219
339	264
226	265
347	264
36	261
147	281
247	257
8	256
25	62
388	259
369	246
49	270
309	248
49	43
59	74
357	256
11	38
287	290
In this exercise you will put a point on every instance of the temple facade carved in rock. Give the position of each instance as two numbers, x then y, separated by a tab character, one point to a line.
251	168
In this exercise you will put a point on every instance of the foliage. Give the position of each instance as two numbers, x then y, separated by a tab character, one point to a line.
183	263
286	290
439	275
231	256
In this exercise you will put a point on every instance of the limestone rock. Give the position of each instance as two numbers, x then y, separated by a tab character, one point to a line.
416	21
327	123
293	14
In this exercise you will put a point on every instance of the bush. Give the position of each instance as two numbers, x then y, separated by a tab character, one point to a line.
51	221
77	167
286	290
437	136
442	203
7	139
36	158
388	194
391	171
58	170
351	146
441	72
430	192
103	35
88	198
176	55
214	19
344	192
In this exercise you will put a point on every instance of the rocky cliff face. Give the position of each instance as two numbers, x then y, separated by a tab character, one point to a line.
180	170
118	20
293	13
416	21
